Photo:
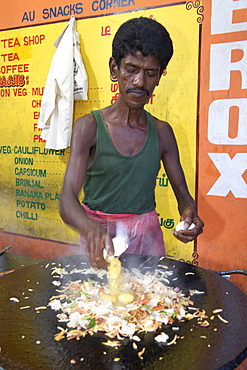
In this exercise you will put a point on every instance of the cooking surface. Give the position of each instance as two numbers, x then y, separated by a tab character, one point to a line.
9	262
27	337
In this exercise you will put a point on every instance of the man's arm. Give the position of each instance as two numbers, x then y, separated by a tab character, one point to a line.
186	204
82	144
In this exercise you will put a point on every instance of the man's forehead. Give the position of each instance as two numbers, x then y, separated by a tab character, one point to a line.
138	58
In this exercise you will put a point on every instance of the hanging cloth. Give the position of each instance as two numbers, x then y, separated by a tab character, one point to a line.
67	80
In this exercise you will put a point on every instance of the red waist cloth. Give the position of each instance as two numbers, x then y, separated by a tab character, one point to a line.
142	232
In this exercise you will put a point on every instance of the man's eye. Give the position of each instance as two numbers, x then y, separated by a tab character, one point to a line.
151	74
130	70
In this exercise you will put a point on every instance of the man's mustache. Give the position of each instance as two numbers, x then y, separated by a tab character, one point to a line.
133	89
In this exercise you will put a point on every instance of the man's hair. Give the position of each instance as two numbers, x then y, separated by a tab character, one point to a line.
145	35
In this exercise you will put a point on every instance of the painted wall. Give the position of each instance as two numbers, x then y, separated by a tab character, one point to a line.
222	130
202	96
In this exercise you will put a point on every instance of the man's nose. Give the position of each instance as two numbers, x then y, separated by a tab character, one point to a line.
140	79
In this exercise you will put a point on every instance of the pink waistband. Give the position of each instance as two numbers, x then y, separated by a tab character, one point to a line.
112	216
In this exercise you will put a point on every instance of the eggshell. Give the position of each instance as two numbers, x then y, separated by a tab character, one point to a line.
180	226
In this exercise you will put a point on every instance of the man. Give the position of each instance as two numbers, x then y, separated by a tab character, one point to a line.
116	154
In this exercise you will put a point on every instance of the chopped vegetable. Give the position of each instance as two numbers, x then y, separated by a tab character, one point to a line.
218	310
141	353
87	306
162	338
13	299
86	294
112	343
148	309
223	320
41	308
173	341
91	324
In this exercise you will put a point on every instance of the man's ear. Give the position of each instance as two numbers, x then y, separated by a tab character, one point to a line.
164	73
113	68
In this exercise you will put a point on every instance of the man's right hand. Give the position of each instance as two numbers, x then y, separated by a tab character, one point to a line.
97	240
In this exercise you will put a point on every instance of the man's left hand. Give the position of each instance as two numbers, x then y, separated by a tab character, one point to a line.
189	216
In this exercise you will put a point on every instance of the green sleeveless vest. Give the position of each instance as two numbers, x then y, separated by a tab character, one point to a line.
122	184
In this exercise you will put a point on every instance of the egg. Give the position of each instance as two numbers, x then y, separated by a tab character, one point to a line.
126	298
180	226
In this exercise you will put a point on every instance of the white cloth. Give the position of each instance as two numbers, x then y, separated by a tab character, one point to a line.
67	80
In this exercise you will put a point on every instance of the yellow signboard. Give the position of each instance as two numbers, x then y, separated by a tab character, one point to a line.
31	176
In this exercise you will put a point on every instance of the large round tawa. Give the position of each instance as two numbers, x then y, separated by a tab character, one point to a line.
27	337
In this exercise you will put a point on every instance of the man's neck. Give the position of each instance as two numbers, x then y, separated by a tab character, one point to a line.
121	114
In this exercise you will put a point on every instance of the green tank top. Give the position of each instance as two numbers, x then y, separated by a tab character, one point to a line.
116	183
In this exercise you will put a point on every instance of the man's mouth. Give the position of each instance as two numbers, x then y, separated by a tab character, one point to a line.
138	91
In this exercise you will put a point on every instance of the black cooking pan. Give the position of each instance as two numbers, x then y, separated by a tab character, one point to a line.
27	337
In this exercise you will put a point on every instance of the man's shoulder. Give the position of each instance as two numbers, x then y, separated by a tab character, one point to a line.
85	120
161	124
84	131
85	123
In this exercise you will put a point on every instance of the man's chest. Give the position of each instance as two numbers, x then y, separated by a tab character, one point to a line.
128	140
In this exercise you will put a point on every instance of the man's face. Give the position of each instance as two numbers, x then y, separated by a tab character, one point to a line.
137	78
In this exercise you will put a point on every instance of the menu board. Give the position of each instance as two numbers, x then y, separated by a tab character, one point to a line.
31	176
